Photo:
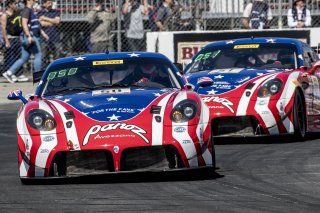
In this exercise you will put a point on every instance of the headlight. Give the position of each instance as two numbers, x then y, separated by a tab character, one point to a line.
184	111
41	120
270	88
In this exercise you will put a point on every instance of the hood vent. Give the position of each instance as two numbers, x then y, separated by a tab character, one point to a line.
155	109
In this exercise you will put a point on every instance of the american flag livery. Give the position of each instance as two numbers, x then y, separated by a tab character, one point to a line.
262	86
102	131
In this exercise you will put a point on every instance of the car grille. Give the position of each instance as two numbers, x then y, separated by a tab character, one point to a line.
237	126
83	162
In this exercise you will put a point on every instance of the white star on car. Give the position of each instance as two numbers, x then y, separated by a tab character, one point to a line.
80	58
67	100
259	74
141	109
112	99
157	94
113	117
134	55
218	76
300	56
230	42
212	92
271	40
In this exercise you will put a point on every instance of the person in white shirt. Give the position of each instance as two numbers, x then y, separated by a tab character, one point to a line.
299	16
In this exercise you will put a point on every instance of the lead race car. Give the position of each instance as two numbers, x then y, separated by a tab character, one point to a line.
108	113
261	86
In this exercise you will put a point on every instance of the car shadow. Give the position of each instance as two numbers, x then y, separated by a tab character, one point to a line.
134	177
279	139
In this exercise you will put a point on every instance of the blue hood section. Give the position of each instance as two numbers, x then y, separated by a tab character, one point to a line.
225	80
101	106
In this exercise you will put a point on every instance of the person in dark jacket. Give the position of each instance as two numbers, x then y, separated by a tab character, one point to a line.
256	15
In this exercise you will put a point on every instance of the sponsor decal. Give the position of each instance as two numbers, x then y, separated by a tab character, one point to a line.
225	102
246	46
44	151
204	79
48	138
222	86
118	126
99	137
62	73
118	110
186	141
243	80
111	91
96	63
180	129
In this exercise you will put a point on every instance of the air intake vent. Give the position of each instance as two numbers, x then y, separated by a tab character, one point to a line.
155	109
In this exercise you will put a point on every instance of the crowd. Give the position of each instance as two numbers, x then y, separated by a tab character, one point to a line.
39	34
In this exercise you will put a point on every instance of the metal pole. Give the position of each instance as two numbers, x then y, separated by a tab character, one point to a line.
119	26
280	14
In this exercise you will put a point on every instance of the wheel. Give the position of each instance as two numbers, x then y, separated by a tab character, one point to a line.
213	154
299	117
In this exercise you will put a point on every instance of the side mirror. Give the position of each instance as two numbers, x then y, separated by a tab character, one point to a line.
203	82
16	95
314	68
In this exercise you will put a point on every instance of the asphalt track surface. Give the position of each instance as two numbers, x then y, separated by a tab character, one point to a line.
260	175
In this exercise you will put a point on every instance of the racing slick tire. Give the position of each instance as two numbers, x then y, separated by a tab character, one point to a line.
299	117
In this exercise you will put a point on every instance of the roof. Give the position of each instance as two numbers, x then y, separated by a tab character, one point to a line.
110	55
261	40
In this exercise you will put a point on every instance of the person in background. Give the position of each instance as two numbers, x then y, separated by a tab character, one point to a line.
299	16
29	40
164	14
101	20
133	18
11	42
49	19
256	15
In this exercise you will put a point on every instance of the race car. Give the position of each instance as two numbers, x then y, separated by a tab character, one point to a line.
261	86
109	113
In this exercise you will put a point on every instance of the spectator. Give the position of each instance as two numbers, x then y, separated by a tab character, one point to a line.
30	42
11	41
49	19
101	20
299	16
164	14
257	15
133	20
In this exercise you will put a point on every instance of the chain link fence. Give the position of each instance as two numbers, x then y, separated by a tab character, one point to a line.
85	27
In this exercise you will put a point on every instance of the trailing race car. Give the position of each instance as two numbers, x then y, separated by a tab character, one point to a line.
109	113
261	86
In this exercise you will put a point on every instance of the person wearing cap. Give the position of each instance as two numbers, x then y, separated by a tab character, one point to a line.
256	15
299	16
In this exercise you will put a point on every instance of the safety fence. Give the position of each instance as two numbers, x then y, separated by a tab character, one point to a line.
76	33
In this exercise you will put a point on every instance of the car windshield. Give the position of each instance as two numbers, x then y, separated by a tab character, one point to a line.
90	75
249	56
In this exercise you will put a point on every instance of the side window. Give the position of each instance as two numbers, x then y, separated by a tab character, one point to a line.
306	56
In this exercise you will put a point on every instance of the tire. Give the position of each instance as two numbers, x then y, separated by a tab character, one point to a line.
213	155
299	117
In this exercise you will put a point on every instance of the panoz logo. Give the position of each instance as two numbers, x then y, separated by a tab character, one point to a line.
48	138
179	129
97	128
223	101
